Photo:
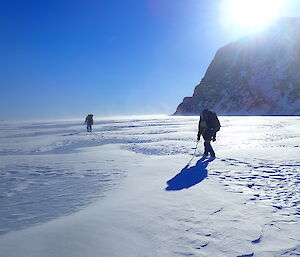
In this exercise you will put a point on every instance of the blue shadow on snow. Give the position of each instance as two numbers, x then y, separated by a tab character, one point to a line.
189	176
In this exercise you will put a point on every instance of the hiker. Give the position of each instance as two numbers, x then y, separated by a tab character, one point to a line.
89	122
209	124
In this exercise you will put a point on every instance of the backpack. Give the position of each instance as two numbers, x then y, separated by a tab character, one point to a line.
89	119
215	123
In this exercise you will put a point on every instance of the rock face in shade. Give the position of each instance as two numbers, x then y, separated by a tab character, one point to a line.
256	75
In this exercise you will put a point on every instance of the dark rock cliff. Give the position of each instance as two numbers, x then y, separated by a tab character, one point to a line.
256	75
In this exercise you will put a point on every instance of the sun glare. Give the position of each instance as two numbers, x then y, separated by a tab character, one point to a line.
252	13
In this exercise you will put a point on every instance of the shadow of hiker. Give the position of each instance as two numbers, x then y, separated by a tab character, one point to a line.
189	176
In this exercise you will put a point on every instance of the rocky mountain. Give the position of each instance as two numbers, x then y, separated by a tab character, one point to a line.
256	75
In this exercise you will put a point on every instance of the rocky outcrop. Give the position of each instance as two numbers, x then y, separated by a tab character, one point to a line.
256	75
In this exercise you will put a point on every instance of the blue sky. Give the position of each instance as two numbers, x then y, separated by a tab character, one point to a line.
64	59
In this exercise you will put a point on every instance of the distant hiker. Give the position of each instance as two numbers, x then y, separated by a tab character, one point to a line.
209	124
89	122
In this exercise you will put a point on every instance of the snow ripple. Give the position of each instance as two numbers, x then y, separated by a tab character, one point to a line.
269	181
36	194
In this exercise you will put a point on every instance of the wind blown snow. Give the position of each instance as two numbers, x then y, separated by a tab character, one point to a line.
125	189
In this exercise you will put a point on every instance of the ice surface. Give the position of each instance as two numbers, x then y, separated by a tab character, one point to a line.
125	189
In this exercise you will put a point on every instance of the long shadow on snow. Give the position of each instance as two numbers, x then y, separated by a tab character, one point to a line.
189	176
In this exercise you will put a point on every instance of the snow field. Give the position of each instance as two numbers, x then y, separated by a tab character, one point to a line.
244	203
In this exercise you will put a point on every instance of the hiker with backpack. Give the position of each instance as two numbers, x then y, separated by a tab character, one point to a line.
89	122
209	124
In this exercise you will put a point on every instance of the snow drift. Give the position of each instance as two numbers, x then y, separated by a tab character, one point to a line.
124	190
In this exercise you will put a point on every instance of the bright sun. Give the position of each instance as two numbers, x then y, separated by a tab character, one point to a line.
253	13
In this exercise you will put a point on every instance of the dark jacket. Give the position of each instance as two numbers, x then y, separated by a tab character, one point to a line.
89	119
208	126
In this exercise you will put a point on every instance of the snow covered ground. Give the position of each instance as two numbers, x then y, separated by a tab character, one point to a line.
124	190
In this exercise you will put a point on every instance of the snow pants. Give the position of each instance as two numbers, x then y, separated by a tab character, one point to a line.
208	148
89	127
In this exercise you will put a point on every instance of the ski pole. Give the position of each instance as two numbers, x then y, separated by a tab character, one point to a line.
194	152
